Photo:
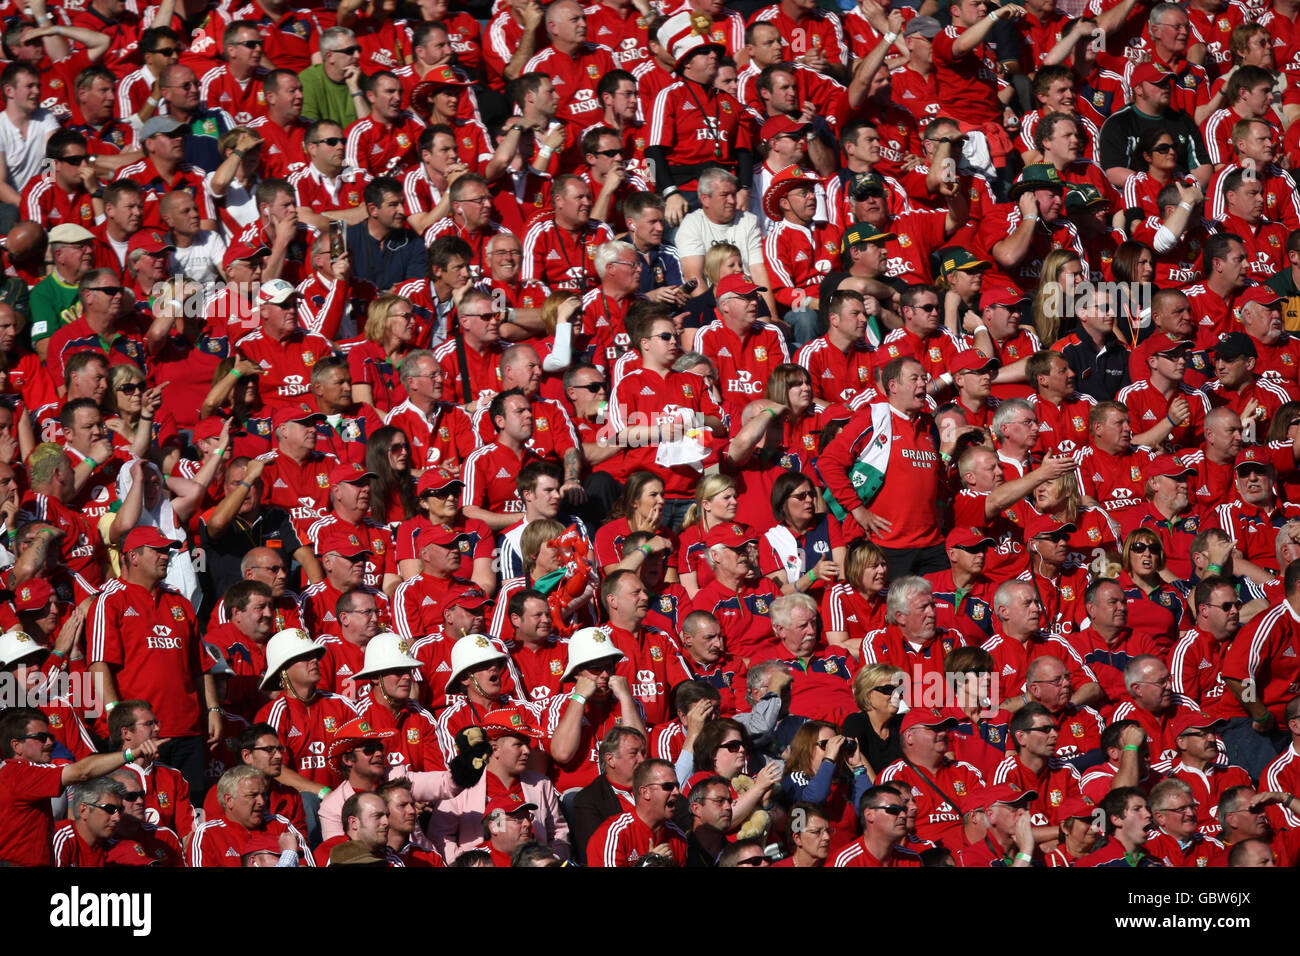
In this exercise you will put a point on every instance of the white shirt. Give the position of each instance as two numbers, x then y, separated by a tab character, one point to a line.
199	261
239	202
698	233
24	156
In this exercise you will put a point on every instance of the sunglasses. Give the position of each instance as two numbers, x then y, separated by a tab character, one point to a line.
347	50
886	689
1163	148
330	141
133	795
893	809
396	447
607	153
1227	606
593	387
442	493
1042	729
44	737
74	160
112	809
166	51
1142	547
370	747
130	388
971	548
732	746
667	786
108	290
249	44
664	336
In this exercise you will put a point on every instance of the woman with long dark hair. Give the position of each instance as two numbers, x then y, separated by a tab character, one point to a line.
639	508
804	550
392	490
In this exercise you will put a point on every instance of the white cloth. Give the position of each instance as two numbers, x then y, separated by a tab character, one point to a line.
24	156
181	573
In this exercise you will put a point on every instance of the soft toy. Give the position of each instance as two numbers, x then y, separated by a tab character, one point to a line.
568	583
759	820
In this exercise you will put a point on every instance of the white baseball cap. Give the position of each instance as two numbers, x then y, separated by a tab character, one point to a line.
275	292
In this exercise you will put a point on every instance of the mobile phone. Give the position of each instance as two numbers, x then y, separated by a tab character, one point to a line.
338	240
690	284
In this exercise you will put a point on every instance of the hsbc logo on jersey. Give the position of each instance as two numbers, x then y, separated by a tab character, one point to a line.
161	639
293	385
744	383
646	687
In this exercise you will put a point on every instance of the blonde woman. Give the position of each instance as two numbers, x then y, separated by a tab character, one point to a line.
720	261
136	418
567	339
1062	270
715	503
881	693
233	184
375	363
855	606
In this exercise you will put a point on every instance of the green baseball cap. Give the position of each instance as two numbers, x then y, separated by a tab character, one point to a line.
861	232
1083	195
960	260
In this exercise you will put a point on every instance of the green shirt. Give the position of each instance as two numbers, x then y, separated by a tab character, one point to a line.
323	99
49	298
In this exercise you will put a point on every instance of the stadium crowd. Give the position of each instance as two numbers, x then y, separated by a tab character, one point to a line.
654	433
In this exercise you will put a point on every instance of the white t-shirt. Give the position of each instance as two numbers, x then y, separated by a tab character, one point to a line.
24	156
698	233
199	261
238	201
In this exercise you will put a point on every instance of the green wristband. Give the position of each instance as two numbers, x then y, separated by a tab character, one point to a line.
236	373
1132	747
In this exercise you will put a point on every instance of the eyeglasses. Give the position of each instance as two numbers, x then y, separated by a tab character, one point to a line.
719	800
44	737
892	809
1060	680
818	831
632	264
366	612
271	749
1227	606
188	85
396	447
74	160
1185	808
801	496
112	809
1029	422
508	253
607	153
1142	547
752	861
133	795
273	568
593	387
1163	148
108	290
248	44
347	50
329	141
479	315
400	315
482	200
130	388
370	747
732	746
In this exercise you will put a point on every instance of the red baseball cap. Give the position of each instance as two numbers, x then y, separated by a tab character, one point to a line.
1047	525
1260	294
435	479
1150	73
509	721
470	598
927	717
731	534
972	360
296	413
1252	455
735	284
32	595
1195	720
1076	807
351	473
440	535
340	541
999	294
152	241
1167	466
508	804
146	537
888	351
209	427
242	250
964	536
782	125
985	797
